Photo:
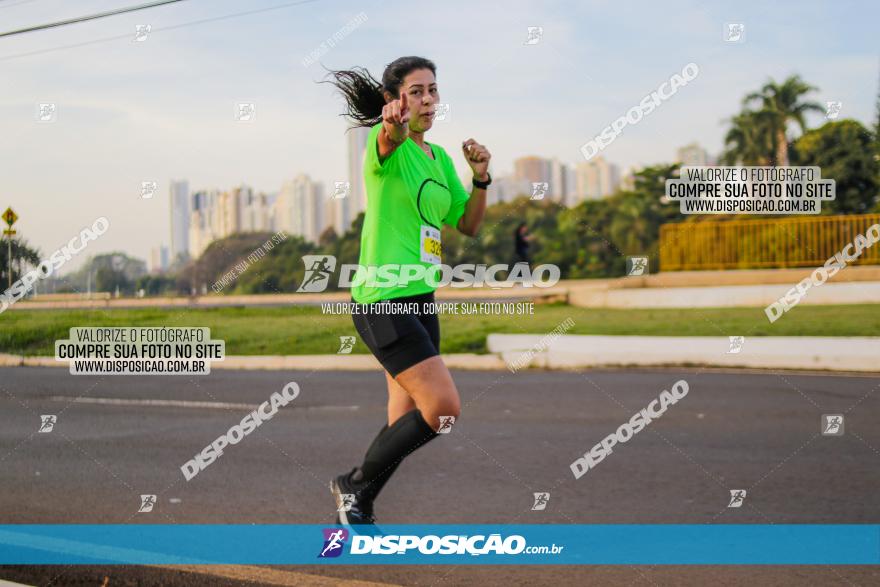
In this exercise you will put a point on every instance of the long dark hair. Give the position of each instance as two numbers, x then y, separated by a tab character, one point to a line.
364	95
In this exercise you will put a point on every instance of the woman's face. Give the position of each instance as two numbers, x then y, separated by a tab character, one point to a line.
422	97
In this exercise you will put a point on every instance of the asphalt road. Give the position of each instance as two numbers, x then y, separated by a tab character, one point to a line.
517	435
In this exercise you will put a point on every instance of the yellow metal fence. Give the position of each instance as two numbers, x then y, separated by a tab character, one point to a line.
752	244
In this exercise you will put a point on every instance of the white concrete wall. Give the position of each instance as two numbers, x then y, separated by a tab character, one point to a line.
764	352
857	292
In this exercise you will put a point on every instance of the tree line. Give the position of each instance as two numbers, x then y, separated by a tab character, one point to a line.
591	239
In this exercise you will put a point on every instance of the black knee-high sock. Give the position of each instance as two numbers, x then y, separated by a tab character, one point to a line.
375	486
388	450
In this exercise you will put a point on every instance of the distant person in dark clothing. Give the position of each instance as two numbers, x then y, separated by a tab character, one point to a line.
522	238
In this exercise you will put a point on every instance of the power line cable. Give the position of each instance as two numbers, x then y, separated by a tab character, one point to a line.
157	29
16	4
89	17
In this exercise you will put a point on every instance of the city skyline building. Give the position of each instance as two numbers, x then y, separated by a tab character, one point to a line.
180	217
301	208
305	208
596	179
693	155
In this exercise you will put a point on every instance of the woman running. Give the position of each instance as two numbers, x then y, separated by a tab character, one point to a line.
412	190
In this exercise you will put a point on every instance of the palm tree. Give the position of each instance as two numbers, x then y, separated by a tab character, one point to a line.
877	132
750	140
782	103
22	254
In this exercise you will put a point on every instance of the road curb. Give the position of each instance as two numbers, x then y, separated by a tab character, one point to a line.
352	362
361	362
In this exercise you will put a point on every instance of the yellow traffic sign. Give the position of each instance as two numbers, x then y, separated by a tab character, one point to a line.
10	217
9	232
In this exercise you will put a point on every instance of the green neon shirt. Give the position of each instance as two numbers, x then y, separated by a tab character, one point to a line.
405	192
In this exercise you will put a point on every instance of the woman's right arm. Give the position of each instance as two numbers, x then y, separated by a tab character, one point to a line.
395	126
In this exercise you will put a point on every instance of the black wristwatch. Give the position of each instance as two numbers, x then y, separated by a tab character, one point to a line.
483	184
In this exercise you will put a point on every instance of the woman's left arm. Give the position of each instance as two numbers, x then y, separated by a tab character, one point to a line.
477	157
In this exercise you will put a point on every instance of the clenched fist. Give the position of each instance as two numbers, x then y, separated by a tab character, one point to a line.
477	157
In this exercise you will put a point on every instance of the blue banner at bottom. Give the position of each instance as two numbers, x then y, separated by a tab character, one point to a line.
520	544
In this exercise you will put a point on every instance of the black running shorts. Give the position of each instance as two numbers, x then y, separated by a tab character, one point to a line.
399	332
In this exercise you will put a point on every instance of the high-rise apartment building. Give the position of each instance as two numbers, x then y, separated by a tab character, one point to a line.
180	218
301	208
596	178
693	155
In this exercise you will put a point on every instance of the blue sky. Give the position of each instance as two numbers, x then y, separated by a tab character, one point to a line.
163	109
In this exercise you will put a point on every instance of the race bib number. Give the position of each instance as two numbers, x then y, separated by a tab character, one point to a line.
432	249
